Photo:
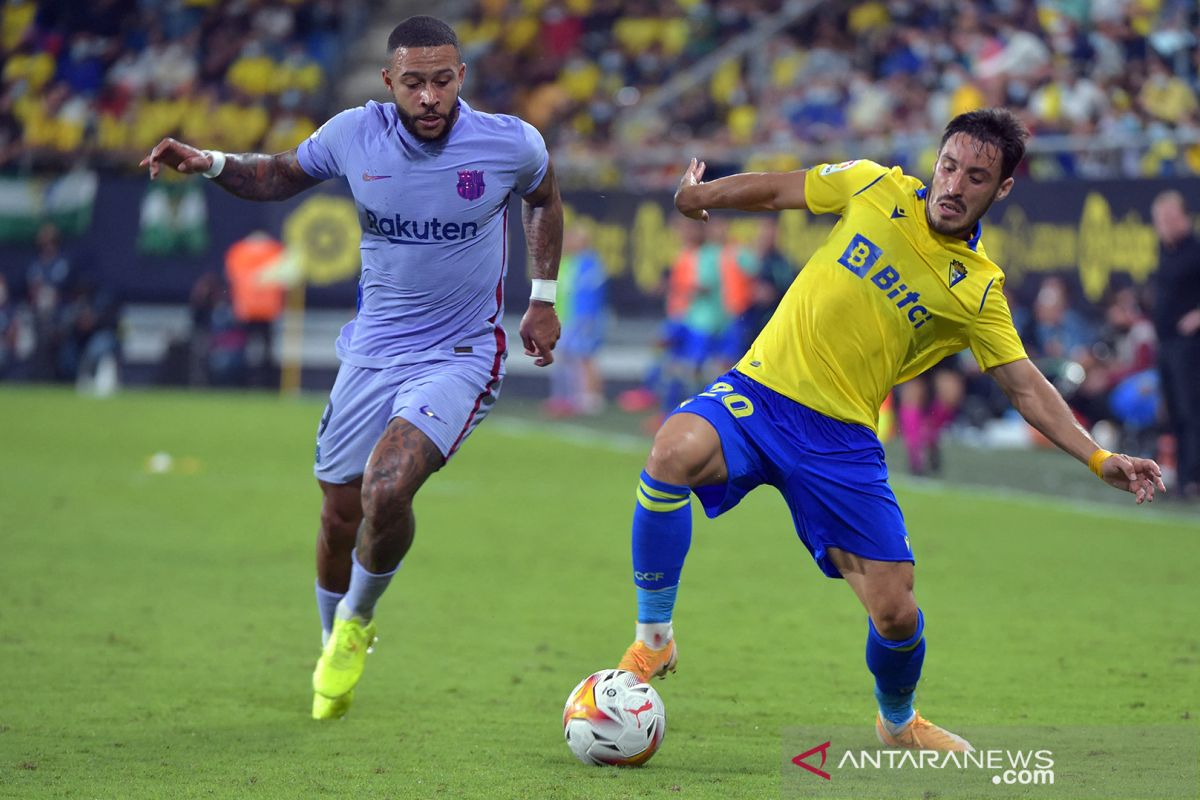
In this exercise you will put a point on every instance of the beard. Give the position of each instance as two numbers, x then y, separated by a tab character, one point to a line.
409	122
961	230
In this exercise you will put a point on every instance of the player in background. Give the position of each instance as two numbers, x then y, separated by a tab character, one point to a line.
576	385
902	281
423	360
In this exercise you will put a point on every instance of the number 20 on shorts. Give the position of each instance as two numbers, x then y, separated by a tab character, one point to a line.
738	404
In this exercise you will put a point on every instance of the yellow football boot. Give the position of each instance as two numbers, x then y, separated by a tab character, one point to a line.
331	707
341	663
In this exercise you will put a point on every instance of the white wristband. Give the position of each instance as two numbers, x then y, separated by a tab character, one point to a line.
218	159
543	290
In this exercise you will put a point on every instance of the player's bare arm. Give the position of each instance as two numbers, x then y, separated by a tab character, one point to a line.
1043	407
749	191
542	215
252	176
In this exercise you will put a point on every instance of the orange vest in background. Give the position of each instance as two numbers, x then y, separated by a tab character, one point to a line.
681	283
737	288
253	300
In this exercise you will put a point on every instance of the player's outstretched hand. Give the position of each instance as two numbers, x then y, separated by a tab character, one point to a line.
178	156
685	199
1139	476
540	331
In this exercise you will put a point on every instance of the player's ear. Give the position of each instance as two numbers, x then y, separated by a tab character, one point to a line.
1005	187
387	77
462	73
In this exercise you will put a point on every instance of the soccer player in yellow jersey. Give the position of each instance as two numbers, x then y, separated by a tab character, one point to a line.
902	282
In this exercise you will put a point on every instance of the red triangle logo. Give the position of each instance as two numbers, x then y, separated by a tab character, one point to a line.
823	749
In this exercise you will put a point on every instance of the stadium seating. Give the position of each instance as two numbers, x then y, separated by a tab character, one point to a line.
107	82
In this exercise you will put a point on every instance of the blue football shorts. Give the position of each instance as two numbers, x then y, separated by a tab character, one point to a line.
445	399
831	473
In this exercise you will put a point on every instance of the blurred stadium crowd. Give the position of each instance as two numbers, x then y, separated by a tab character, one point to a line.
1117	78
101	82
871	79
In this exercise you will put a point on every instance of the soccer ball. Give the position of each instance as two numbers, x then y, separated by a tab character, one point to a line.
613	718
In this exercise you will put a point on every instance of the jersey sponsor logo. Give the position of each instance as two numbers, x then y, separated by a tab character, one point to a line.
427	411
860	255
369	177
419	231
860	258
958	271
829	169
470	184
647	576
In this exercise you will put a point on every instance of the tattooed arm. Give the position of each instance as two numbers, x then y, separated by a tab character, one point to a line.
542	215
253	176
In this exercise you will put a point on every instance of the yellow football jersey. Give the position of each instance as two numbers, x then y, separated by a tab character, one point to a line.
882	300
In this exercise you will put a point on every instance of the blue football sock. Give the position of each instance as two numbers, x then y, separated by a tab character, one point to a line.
326	606
365	589
897	669
662	534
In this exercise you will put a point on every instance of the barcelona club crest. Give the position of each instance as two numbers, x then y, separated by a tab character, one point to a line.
470	184
957	270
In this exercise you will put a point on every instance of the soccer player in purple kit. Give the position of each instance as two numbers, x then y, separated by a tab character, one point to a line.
423	360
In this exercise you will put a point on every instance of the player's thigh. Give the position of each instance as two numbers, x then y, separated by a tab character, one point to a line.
687	452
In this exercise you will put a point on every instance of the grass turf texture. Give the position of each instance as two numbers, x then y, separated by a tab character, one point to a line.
158	631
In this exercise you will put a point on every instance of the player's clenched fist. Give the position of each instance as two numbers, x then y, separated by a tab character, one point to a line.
178	156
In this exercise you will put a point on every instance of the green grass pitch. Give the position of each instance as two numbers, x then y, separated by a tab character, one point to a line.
158	630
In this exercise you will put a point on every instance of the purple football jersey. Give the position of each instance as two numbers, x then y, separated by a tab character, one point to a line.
434	226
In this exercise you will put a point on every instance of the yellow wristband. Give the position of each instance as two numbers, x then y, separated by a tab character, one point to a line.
1096	462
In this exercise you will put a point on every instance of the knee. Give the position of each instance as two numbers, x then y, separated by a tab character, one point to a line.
896	620
673	459
338	521
341	513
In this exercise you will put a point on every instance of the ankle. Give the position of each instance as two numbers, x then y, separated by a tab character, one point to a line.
655	635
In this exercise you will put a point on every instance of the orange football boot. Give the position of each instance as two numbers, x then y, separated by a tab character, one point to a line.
921	734
646	662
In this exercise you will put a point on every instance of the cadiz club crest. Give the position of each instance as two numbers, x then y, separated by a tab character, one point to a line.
470	184
958	270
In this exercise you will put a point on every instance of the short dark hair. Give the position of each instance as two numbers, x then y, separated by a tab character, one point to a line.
995	126
422	31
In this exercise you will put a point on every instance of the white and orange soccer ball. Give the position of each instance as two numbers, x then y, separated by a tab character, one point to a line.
613	718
